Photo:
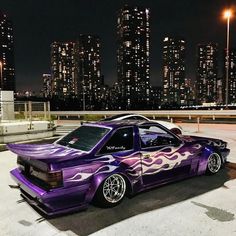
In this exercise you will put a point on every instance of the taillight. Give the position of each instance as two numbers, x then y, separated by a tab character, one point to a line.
54	179
40	174
51	179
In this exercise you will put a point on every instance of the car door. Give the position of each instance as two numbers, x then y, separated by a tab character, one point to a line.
163	156
123	146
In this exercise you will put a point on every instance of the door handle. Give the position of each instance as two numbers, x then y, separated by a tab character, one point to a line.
146	156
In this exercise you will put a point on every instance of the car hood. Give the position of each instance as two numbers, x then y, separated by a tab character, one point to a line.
45	152
205	140
167	124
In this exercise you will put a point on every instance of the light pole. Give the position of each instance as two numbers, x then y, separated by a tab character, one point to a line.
227	16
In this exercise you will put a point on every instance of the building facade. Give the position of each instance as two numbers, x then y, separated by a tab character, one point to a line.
64	84
174	75
88	70
7	67
207	73
133	56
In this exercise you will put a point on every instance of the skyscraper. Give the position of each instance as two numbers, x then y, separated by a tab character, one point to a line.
88	69
133	55
156	96
63	70
207	72
220	90
7	67
47	85
232	76
174	91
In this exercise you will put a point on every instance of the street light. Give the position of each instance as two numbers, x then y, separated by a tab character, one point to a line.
227	16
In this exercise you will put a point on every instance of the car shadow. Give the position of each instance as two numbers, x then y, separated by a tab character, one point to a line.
94	218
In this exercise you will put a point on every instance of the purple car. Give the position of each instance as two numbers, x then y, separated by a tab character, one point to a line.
104	161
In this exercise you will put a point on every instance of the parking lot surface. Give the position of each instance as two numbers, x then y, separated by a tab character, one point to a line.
204	205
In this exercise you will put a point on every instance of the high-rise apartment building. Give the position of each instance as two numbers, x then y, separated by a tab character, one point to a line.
7	67
88	69
220	90
174	74
47	85
63	70
207	72
155	96
133	55
232	77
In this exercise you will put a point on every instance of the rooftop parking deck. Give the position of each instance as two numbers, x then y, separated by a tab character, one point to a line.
203	205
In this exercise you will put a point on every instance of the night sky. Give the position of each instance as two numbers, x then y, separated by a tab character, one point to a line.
38	23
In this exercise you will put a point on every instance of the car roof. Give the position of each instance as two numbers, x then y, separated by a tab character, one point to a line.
118	116
120	123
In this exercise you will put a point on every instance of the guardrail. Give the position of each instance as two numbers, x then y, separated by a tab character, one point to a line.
155	113
194	115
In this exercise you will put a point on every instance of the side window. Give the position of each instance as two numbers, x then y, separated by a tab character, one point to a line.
154	136
121	140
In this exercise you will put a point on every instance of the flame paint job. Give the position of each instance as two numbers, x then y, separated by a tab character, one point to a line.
83	172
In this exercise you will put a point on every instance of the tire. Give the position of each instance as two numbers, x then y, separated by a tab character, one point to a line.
111	192
214	163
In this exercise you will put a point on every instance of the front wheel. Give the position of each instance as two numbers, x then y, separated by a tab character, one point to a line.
214	163
111	192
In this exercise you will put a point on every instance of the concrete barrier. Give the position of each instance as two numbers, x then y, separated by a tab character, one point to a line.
25	130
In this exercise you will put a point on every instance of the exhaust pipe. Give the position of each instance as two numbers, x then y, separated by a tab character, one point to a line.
14	186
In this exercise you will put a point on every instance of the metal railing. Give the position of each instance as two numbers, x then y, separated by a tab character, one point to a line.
29	110
24	110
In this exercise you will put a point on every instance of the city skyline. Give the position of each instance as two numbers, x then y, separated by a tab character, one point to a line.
29	68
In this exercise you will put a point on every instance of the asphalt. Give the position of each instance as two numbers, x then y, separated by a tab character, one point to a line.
203	205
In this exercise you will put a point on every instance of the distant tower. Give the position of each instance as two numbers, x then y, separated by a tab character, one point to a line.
232	76
7	67
47	85
88	68
174	75
207	72
133	55
63	70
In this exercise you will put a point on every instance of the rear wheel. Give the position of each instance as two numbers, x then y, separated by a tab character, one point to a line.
111	192
214	163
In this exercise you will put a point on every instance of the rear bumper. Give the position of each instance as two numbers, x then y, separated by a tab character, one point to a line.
53	202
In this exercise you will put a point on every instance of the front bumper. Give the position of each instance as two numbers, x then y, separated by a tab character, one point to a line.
52	202
224	153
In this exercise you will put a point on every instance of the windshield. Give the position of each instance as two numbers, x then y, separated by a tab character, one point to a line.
84	138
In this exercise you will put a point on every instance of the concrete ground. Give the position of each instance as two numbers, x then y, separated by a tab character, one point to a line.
202	205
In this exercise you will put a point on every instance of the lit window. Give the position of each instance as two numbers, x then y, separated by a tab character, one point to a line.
127	43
